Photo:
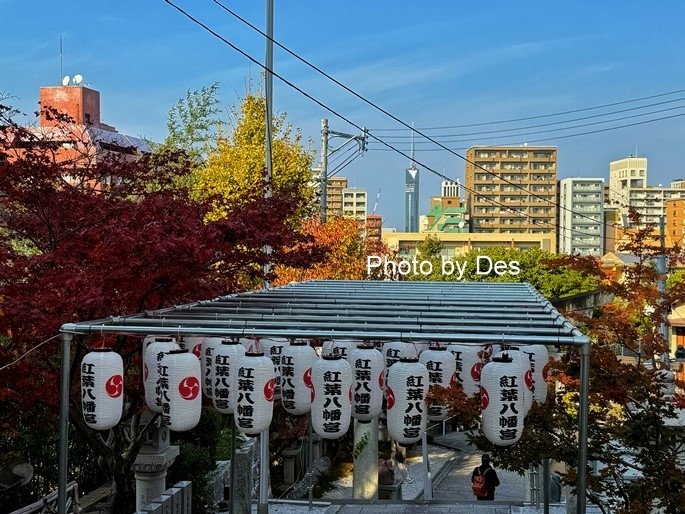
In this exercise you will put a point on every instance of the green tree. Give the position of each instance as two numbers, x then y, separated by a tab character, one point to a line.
194	123
530	266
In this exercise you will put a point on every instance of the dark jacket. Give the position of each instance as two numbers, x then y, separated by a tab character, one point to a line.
491	480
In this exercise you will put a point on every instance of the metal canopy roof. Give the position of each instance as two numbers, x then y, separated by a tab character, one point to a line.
366	310
369	310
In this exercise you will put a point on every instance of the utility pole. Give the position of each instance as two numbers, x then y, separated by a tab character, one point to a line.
264	461
661	286
324	168
326	152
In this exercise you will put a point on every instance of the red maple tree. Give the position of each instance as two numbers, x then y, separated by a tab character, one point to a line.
84	240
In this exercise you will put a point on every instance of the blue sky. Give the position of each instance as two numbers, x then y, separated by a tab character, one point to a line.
430	63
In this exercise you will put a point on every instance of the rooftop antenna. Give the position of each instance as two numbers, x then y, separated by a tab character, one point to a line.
61	72
411	164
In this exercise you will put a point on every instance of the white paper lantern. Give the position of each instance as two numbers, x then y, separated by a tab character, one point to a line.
224	373
392	352
521	360
249	344
273	348
256	387
154	347
102	388
441	366
296	377
502	409
207	364
406	392
420	347
340	347
180	389
468	363
368	382
332	403
192	344
538	357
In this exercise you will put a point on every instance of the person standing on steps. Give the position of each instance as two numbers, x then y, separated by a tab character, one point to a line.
484	480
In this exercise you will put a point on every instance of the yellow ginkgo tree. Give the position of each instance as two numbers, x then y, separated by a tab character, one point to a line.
235	170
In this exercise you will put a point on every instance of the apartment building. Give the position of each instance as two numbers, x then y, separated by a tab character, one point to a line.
355	203
450	189
581	216
454	243
334	196
512	190
626	174
675	220
374	227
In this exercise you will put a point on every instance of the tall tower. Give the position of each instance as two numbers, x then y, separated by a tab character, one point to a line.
411	194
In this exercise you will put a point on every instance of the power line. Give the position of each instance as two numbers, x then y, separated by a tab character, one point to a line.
338	155
520	142
344	118
357	95
541	116
27	352
527	133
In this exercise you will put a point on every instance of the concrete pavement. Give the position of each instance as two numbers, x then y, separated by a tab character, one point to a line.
455	484
452	462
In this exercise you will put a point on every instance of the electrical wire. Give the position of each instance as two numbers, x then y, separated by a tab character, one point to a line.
541	116
527	133
351	91
347	120
350	159
27	352
526	141
338	155
342	117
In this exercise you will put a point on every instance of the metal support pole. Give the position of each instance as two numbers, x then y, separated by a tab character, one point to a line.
263	507
232	480
324	169
545	486
582	425
310	459
427	480
63	424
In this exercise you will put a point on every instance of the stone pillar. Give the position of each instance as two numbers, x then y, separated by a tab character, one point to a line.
316	447
244	481
150	467
365	451
290	469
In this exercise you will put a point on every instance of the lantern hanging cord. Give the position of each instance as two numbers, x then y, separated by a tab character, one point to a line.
29	351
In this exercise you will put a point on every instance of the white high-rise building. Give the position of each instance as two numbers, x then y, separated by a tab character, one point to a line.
628	189
626	174
581	213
